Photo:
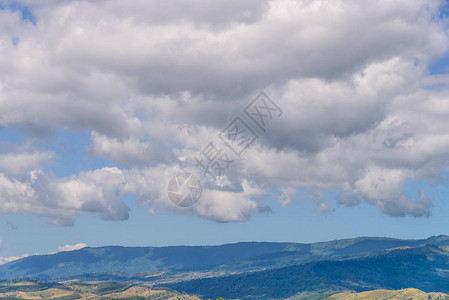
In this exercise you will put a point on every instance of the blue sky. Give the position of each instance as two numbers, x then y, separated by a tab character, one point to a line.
102	103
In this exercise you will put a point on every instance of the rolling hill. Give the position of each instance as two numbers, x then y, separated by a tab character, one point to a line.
391	295
36	289
425	268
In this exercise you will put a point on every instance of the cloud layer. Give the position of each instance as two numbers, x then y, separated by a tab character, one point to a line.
154	82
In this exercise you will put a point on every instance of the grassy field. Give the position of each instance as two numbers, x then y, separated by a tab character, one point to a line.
36	289
390	295
33	289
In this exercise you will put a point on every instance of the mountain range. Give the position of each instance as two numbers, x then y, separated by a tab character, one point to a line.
425	268
255	270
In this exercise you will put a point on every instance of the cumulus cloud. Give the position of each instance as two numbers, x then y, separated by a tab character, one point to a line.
63	199
72	247
129	151
226	206
154	82
18	164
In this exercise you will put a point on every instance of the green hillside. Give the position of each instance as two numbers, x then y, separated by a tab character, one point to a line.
156	263
425	268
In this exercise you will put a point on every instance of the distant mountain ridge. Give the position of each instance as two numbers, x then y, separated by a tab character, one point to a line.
148	263
425	268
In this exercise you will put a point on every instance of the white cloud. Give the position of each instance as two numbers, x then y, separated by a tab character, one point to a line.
63	199
17	164
287	195
72	247
154	82
4	260
322	208
129	151
226	206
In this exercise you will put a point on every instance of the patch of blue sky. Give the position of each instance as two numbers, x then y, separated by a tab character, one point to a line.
444	10
26	13
72	153
437	191
441	66
10	137
71	149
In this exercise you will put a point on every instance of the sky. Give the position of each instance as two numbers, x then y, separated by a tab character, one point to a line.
304	121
